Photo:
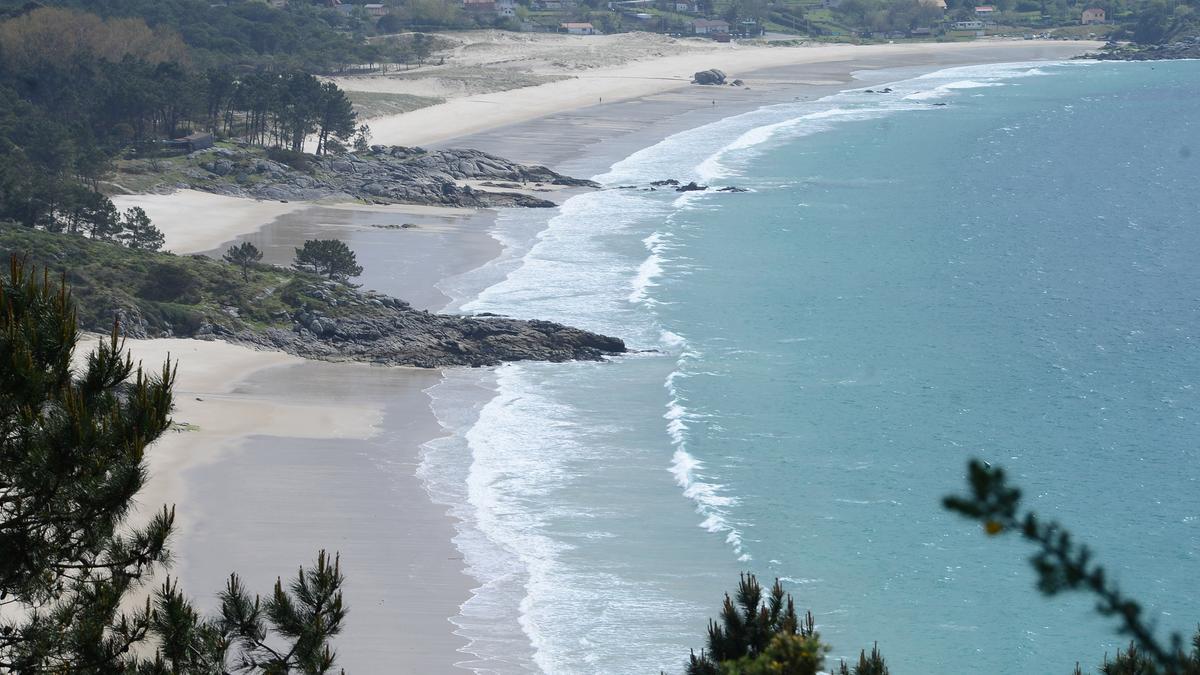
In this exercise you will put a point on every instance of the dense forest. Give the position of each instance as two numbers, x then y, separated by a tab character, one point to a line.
77	90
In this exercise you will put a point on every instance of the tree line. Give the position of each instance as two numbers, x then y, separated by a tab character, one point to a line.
305	35
77	90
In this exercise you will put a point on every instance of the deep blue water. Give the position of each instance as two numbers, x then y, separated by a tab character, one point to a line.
1011	275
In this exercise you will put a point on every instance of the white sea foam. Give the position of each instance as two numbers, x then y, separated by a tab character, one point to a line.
949	88
649	270
712	501
507	460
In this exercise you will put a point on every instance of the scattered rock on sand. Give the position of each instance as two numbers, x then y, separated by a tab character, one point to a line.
710	76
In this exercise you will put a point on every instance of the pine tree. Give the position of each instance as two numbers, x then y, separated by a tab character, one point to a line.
72	447
867	665
337	117
759	637
329	257
244	255
138	233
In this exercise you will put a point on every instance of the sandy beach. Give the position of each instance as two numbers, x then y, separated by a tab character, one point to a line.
288	456
192	221
277	458
640	65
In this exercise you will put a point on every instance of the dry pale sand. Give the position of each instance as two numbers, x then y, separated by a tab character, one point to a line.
193	221
212	412
279	458
640	74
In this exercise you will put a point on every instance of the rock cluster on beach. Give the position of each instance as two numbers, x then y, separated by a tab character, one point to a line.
387	175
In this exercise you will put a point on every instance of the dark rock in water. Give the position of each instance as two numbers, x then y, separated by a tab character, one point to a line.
732	189
669	181
737	83
691	187
710	76
939	104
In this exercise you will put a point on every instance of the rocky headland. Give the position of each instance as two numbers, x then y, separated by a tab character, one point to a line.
383	175
1183	48
380	329
163	295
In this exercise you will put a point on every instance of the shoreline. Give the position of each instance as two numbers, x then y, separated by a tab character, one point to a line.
250	457
459	119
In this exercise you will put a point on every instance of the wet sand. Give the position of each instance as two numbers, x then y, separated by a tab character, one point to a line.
404	262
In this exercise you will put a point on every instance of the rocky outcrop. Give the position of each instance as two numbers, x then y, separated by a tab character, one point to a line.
1184	48
710	76
389	175
379	329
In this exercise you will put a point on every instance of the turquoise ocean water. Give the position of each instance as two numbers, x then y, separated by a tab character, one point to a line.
995	262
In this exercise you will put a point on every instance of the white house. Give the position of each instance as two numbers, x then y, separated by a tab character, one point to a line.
1092	15
506	7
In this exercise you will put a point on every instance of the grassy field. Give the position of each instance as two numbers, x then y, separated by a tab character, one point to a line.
370	104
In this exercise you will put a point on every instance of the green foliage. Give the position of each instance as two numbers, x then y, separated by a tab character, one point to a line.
72	458
301	36
244	255
757	636
1063	565
72	449
335	116
308	615
76	91
329	257
136	232
297	160
867	665
108	280
362	139
784	655
170	281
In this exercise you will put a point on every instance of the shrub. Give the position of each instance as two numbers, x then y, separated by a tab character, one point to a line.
170	282
297	160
